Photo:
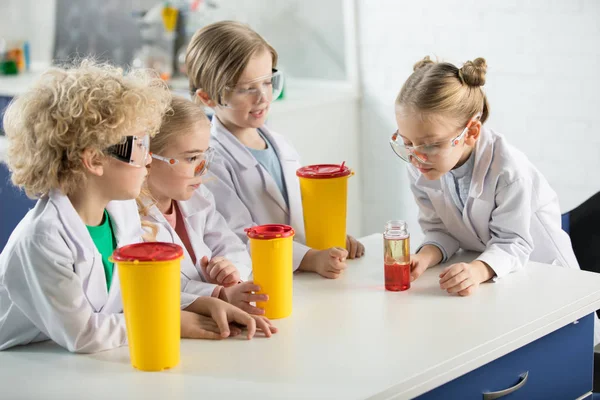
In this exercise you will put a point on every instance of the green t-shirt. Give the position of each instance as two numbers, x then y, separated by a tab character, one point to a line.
105	242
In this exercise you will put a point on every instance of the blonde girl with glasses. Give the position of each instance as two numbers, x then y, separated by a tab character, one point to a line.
474	190
175	202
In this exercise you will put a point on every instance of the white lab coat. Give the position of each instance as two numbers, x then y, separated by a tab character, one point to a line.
209	236
511	214
52	281
246	194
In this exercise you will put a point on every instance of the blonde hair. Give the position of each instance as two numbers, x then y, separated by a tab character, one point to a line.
179	121
218	54
439	88
86	105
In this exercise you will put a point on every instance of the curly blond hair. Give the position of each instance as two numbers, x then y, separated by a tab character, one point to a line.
86	105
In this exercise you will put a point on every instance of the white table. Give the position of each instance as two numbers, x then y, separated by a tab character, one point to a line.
346	339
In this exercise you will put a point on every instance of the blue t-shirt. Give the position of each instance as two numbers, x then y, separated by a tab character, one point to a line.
269	160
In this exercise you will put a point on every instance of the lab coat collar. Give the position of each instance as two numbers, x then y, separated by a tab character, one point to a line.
231	144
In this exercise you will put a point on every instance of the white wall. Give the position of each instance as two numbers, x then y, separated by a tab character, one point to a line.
543	85
29	20
307	34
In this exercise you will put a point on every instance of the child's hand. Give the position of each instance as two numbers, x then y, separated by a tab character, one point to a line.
428	256
418	264
355	248
331	263
241	296
196	326
328	263
220	271
225	314
265	325
464	278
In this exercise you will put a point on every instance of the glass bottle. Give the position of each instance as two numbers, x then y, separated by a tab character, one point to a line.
396	256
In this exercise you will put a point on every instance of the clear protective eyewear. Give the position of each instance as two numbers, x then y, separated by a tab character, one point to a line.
132	150
427	153
197	164
250	93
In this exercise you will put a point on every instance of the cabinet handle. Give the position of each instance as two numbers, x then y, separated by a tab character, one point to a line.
505	392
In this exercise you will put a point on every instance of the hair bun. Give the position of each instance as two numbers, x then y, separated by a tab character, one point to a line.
473	72
423	63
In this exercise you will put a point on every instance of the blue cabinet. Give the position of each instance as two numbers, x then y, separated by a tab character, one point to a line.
4	101
556	366
13	205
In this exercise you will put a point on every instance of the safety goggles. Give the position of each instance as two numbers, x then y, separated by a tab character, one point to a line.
427	153
189	167
250	93
132	150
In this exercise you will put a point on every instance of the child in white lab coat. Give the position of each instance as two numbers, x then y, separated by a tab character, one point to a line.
216	261
474	190
78	140
232	70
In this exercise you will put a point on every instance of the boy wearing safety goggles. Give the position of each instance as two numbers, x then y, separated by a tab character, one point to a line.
216	261
78	140
473	189
232	70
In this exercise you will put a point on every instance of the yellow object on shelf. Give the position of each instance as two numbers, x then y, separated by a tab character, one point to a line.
169	17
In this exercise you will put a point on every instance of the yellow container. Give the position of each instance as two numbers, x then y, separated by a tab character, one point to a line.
151	290
272	268
324	189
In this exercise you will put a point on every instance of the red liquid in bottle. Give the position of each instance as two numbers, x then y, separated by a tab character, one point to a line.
396	256
397	277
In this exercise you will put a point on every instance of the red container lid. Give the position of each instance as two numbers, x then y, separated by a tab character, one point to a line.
324	171
270	232
149	251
